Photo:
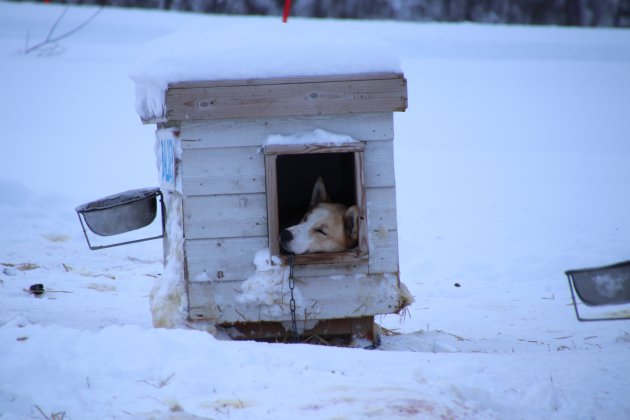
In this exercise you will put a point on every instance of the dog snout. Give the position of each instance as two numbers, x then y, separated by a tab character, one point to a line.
286	236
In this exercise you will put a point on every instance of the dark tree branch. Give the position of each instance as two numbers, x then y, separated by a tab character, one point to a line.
52	40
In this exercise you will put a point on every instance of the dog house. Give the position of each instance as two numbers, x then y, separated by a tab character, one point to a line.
238	159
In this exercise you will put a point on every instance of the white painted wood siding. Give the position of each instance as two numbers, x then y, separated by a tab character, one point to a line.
225	217
254	131
325	297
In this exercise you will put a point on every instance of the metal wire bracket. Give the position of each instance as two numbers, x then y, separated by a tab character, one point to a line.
101	224
605	290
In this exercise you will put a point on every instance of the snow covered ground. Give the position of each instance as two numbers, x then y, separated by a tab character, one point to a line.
513	165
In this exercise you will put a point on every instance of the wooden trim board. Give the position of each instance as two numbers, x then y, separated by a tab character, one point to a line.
362	327
286	97
285	80
357	255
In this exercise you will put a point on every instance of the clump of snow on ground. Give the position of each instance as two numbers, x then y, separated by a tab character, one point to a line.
167	299
268	288
317	136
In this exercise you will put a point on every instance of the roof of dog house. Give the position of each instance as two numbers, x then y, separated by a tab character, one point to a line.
275	75
221	52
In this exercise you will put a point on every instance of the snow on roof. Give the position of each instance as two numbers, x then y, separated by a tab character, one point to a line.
256	48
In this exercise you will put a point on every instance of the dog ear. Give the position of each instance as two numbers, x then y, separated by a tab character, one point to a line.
351	222
319	194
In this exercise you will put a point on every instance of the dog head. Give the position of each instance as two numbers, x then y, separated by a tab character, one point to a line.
326	227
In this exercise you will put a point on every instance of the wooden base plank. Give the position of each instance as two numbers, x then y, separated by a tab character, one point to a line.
323	331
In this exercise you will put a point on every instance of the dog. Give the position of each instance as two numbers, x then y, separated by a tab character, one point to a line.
326	226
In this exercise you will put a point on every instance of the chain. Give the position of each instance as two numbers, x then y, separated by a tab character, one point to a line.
294	331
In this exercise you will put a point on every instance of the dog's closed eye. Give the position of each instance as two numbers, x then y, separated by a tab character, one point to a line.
321	231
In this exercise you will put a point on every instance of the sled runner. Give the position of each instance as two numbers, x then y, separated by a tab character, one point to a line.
604	291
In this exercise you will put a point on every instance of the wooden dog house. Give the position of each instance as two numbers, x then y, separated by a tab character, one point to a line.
231	188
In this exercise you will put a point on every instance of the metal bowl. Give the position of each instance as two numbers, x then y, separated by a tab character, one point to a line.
121	213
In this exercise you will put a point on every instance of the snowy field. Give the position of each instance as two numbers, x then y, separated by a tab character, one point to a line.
513	165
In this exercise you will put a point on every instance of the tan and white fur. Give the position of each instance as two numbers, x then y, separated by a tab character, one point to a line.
326	226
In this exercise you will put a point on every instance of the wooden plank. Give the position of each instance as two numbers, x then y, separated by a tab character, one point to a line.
241	169
254	132
319	270
379	164
225	216
228	170
357	327
301	149
359	187
273	222
264	100
382	225
383	251
382	257
353	256
223	259
321	298
285	80
381	208
231	259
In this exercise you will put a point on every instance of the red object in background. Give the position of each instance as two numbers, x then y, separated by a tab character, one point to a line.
287	8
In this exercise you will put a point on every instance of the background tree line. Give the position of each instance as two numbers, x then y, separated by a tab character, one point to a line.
537	12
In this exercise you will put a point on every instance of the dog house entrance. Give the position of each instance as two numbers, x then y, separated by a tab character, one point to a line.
292	171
